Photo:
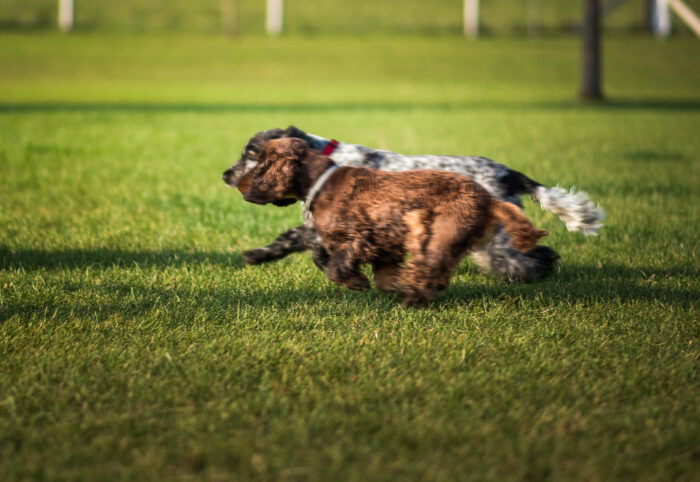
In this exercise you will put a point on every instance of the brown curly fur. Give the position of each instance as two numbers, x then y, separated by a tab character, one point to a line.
413	227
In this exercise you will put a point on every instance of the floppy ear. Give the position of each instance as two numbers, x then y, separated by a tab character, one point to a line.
274	179
293	131
244	183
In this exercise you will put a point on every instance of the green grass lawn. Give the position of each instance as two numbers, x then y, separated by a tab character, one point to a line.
135	344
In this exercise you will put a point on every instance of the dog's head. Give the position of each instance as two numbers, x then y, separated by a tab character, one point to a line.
251	154
275	179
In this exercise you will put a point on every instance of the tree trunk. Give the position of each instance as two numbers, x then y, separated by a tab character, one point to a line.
591	73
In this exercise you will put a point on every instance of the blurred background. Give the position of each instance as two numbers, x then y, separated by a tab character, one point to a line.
137	345
312	17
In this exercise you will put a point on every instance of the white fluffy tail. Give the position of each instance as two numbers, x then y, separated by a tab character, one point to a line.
574	208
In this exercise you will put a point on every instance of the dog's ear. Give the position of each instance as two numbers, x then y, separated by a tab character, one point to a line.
293	131
244	183
274	179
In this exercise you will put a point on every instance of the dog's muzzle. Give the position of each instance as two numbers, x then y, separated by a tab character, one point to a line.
229	177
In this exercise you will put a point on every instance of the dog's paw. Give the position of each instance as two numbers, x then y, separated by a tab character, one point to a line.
257	256
358	284
413	296
534	266
415	302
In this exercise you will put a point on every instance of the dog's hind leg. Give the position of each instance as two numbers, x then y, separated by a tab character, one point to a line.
291	241
431	257
499	258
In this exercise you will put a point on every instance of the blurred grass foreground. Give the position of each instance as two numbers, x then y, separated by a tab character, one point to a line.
136	345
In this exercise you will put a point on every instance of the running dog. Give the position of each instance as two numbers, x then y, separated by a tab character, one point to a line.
413	227
495	257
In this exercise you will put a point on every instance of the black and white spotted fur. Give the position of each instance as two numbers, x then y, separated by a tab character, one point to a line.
498	257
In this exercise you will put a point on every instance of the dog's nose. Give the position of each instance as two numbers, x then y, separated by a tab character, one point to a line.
226	174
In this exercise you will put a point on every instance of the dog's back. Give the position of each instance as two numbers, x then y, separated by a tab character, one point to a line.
376	203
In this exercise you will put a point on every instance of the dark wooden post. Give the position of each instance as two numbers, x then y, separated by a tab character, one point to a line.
648	16
591	72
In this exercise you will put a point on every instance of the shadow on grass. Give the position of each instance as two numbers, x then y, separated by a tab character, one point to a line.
225	108
34	259
589	284
581	285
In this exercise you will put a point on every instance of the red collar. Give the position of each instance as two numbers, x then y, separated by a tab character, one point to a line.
330	147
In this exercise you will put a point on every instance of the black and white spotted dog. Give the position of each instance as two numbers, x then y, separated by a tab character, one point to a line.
498	257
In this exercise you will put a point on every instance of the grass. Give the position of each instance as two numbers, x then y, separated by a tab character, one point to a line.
136	345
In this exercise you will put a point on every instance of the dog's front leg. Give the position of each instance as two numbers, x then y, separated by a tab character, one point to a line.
343	268
320	255
291	241
386	275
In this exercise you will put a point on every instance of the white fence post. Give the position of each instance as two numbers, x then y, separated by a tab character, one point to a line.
471	18
661	23
66	15
275	9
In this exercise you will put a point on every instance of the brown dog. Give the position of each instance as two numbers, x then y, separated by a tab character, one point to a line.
413	227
